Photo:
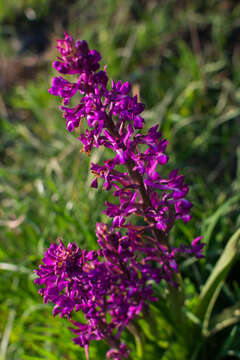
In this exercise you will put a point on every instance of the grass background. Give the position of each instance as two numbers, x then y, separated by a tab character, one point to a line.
183	58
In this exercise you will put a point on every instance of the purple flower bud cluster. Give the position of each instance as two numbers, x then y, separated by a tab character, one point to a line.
113	285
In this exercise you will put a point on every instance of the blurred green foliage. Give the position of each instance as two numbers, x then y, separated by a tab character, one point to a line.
183	58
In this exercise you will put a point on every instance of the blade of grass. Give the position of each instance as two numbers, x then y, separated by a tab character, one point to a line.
215	281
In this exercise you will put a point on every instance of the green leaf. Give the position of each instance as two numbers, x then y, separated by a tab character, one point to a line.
135	330
228	317
212	220
215	281
44	352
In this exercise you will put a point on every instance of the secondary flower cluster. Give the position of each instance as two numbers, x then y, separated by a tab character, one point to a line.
112	285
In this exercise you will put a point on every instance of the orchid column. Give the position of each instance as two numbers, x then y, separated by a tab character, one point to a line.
112	285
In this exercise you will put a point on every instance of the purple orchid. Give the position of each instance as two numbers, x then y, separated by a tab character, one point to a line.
115	282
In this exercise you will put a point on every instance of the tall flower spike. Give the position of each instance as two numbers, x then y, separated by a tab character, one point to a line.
115	282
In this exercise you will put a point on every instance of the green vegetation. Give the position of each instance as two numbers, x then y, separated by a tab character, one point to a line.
184	59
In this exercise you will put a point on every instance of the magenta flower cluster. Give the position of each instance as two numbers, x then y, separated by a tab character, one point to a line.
113	285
